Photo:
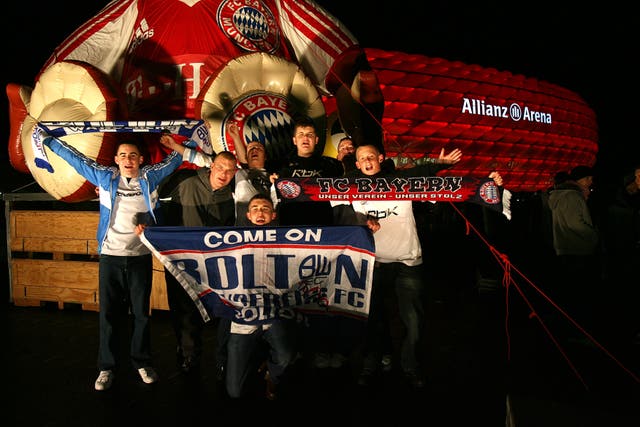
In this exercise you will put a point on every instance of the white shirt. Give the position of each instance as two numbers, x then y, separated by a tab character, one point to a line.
397	239
121	239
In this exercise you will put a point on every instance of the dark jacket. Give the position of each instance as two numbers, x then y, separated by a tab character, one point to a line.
574	232
195	204
308	213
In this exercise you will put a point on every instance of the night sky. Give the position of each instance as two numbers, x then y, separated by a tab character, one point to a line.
586	48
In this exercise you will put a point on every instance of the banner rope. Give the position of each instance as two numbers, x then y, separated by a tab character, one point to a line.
508	281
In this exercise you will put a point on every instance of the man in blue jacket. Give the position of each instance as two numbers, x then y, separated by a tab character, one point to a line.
128	197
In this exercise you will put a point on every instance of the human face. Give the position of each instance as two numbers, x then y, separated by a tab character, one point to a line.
128	160
222	172
256	156
368	159
345	147
305	140
261	212
585	184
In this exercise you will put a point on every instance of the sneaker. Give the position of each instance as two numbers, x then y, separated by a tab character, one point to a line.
148	375
190	365
321	360
365	378
220	373
385	363
337	360
104	380
414	380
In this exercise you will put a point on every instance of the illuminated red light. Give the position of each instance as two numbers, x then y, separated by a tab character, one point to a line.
424	111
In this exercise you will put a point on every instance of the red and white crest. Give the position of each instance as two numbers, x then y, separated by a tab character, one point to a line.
264	117
489	192
249	24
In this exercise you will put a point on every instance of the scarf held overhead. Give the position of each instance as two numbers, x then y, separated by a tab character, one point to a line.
415	188
257	274
195	130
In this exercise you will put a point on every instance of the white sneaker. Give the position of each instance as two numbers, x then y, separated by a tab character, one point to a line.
104	380
148	375
321	360
337	360
386	363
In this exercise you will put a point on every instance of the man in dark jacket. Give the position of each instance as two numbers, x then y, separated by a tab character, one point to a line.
306	162
203	199
575	241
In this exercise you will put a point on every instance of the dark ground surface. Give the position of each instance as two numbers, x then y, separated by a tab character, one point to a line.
472	380
488	362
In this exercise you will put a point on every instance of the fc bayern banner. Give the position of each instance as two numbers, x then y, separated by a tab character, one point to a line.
414	188
256	274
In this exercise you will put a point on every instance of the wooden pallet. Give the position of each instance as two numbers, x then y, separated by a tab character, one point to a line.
54	258
159	289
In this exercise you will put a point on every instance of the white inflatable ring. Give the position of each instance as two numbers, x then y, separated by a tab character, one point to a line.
262	93
72	91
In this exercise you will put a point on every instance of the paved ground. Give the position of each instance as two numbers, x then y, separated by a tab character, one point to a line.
474	378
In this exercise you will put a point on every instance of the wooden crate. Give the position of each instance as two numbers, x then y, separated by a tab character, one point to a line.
54	257
159	291
37	280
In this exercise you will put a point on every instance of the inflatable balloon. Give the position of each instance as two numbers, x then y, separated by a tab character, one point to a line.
72	91
171	59
259	92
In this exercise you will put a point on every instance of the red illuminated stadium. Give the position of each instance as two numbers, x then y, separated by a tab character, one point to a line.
432	103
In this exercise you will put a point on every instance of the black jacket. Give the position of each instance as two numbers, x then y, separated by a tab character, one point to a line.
308	213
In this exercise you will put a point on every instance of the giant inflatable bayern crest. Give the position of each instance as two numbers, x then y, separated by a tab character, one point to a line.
260	63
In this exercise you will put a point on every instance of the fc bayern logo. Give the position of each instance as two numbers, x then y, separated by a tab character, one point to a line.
288	189
263	117
489	193
249	24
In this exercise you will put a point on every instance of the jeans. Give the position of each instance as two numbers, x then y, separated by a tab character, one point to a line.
223	333
186	320
124	285
577	280
332	333
244	351
395	285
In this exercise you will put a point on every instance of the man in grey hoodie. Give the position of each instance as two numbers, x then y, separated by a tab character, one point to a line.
575	241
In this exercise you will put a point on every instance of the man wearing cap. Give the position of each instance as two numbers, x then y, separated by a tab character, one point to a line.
573	230
575	241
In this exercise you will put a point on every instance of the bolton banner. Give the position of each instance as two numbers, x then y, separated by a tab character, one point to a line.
256	274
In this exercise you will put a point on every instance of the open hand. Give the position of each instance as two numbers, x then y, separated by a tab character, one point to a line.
449	159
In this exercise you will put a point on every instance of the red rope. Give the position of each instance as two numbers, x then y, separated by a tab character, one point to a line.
508	281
